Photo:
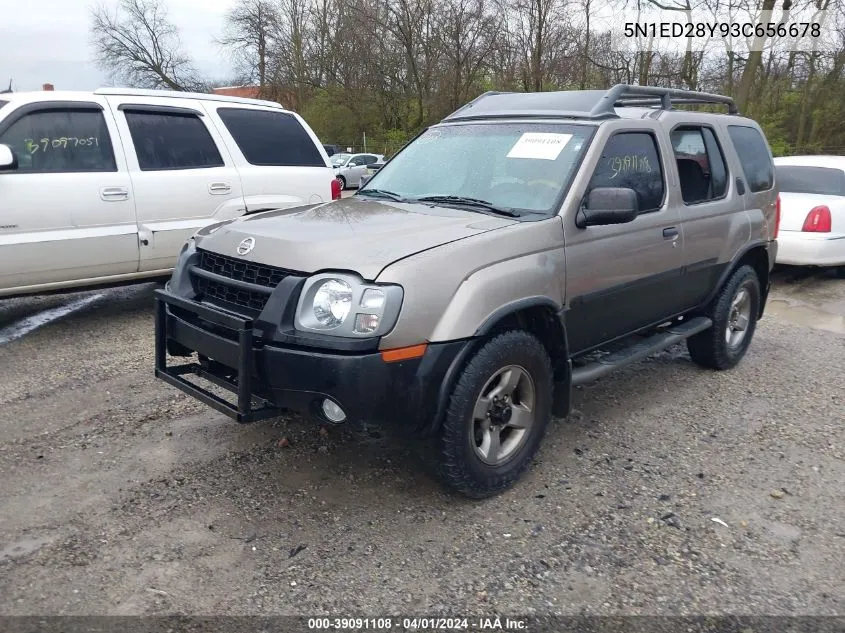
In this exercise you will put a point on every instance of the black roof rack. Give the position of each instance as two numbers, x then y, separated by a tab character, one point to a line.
584	104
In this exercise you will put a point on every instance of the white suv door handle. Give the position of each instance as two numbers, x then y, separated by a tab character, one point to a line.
218	188
113	194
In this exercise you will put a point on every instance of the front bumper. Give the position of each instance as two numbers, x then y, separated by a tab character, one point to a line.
811	249
268	378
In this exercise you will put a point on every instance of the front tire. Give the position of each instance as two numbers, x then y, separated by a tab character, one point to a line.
497	416
342	182
734	313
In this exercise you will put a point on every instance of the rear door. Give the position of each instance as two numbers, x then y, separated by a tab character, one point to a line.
713	218
182	174
67	213
280	161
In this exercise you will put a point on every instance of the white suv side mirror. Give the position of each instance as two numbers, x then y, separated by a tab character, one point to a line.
8	160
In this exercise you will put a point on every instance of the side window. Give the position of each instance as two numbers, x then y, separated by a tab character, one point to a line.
754	157
61	141
357	161
369	159
631	159
271	138
701	166
171	141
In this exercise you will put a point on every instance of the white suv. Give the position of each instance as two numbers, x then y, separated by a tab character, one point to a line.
105	187
349	168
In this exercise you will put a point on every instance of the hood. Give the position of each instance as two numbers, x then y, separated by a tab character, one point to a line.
352	234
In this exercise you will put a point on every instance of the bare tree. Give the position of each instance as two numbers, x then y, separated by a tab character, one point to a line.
248	37
137	44
464	29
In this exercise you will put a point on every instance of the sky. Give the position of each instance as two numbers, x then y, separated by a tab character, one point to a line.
47	41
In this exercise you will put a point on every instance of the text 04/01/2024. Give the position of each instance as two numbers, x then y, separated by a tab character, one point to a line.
418	624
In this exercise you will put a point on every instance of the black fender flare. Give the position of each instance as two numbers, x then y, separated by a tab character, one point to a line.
515	306
731	268
472	343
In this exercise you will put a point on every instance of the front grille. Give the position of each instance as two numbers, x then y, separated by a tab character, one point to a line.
234	294
222	294
241	270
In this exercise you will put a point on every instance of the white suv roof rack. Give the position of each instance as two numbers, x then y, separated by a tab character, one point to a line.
208	96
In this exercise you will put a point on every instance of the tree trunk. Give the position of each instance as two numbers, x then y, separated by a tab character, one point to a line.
585	56
749	73
806	100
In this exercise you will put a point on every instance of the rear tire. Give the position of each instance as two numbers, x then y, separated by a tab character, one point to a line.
734	313
497	416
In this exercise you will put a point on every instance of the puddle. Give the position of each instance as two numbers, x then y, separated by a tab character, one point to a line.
23	547
802	314
30	323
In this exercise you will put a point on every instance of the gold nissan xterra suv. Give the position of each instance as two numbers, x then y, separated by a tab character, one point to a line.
467	286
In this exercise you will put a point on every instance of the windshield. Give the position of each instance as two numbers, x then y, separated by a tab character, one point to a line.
339	159
820	180
519	166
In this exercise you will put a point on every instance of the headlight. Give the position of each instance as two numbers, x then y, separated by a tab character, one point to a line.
332	302
341	304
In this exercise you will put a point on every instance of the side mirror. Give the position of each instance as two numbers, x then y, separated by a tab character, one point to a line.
8	159
364	181
608	205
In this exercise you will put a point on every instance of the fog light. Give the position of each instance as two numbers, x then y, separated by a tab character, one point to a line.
333	412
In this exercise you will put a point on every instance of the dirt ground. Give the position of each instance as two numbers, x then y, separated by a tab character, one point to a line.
120	495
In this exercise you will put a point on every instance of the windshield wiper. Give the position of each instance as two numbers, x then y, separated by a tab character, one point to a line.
381	193
470	202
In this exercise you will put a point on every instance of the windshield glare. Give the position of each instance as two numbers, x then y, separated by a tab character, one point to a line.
819	180
339	159
522	166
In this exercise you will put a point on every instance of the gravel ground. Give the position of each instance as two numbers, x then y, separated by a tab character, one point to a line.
122	496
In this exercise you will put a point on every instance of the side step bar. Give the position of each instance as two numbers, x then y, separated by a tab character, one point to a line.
646	347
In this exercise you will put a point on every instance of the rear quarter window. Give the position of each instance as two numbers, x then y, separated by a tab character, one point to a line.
271	138
754	156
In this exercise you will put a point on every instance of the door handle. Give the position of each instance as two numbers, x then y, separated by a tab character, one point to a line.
740	186
113	194
218	188
670	233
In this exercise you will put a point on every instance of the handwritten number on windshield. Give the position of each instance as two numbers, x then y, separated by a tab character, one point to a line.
629	164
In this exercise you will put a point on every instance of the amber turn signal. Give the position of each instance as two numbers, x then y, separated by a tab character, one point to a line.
403	353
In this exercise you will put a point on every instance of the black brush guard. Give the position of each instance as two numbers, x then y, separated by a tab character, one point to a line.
236	355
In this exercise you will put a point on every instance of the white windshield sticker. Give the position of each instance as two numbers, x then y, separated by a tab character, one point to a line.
543	145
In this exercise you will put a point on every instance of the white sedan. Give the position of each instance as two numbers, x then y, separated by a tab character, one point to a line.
812	211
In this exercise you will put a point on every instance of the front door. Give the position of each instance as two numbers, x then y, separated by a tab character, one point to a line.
624	277
67	212
182	173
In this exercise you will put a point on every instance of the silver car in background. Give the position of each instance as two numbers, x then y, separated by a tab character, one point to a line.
348	168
